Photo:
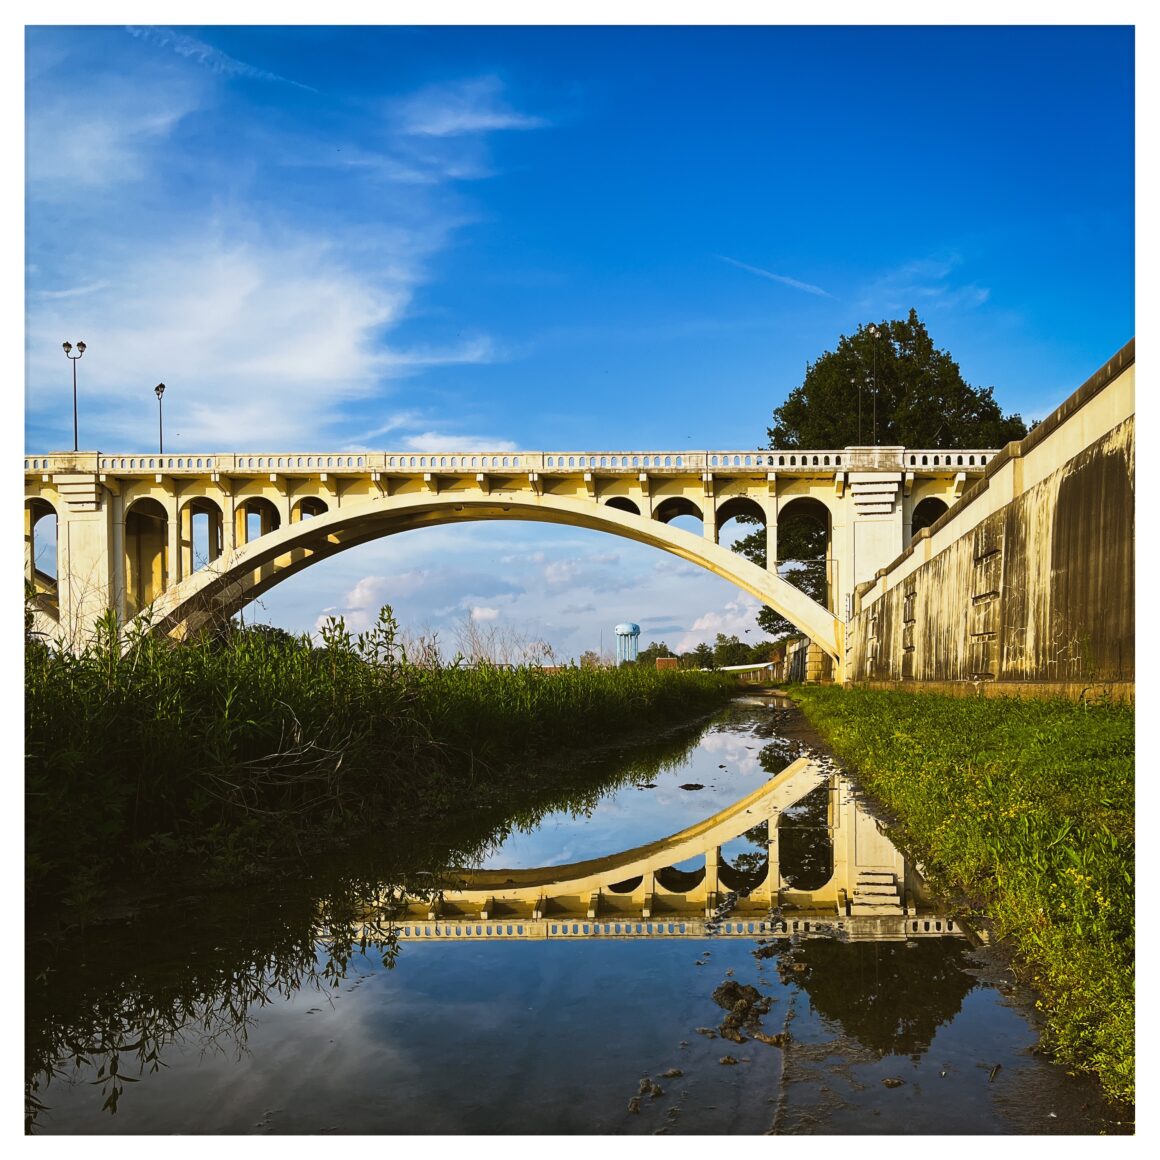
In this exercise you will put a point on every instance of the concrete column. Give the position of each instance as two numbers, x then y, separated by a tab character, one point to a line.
29	544
773	878
646	503
83	584
771	535
216	539
287	501
712	868
841	818
171	564
185	559
769	506
240	531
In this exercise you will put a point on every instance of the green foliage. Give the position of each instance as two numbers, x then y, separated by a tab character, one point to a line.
250	743
909	394
648	656
1027	809
922	399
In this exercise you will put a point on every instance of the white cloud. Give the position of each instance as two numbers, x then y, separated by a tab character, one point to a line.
72	291
736	618
925	282
478	613
436	441
260	341
472	106
80	145
206	55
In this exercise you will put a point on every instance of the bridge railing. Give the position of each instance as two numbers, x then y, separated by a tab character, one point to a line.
551	462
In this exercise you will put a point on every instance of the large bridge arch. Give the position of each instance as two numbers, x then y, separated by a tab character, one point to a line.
243	574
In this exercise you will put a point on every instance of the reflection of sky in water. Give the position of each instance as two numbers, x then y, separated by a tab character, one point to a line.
630	817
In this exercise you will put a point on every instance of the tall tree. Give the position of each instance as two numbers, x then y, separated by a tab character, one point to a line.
887	384
909	393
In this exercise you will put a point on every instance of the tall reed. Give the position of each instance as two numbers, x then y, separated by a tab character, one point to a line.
234	747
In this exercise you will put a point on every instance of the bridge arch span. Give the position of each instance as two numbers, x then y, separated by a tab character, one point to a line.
244	573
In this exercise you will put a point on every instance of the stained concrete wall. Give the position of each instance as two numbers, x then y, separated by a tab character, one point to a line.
1027	584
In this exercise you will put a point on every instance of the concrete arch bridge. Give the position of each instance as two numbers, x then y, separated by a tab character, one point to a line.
184	540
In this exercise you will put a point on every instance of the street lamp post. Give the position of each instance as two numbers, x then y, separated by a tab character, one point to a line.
159	390
72	358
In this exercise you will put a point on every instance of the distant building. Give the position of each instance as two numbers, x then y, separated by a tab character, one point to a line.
668	663
627	642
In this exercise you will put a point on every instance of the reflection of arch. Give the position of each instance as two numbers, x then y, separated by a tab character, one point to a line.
307	508
627	886
146	554
679	881
925	513
806	841
255	567
623	505
742	881
201	533
674	506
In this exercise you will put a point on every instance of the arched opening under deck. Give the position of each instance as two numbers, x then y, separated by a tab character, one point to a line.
256	517
804	548
925	513
681	513
202	525
308	508
41	551
621	504
40	540
146	554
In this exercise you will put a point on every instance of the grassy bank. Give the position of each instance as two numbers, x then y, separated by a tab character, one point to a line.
233	749
1026	808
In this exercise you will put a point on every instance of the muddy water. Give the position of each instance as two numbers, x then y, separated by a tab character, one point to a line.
277	1012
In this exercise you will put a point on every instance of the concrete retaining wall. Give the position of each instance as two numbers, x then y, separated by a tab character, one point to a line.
1027	584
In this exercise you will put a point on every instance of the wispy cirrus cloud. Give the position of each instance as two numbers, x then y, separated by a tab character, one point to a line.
259	338
206	55
76	145
72	291
459	108
782	278
924	282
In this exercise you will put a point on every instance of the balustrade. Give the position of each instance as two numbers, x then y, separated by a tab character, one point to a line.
555	462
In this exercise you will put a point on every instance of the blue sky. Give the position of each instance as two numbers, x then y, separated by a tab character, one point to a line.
553	238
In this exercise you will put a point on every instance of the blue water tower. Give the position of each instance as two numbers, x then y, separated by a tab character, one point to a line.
627	641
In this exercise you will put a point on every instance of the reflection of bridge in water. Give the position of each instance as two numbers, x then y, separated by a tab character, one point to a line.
872	893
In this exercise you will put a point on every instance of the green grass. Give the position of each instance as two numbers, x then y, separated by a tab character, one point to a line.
230	750
1027	809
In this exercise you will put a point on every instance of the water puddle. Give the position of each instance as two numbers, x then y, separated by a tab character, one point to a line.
752	956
